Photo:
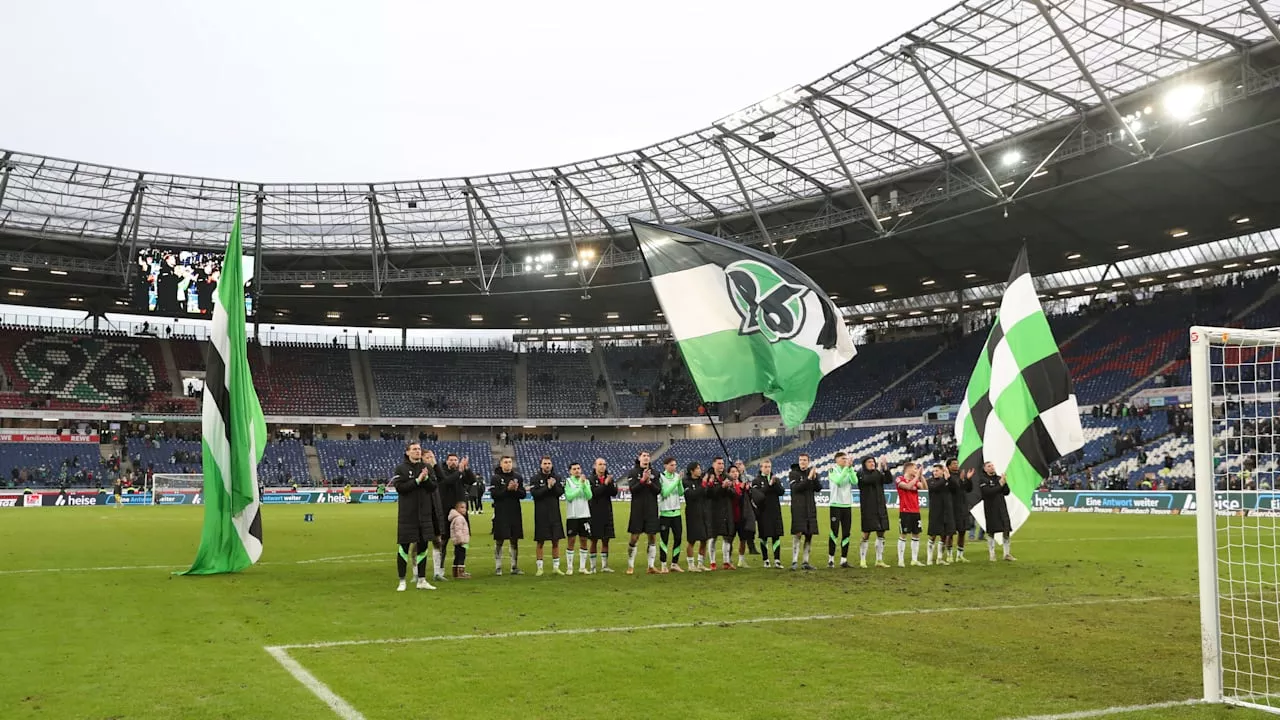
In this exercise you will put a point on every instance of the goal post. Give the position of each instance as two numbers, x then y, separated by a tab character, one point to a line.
1234	423
175	482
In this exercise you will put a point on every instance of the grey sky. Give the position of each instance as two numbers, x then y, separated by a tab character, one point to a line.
271	90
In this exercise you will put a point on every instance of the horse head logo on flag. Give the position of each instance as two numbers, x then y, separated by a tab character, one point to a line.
767	303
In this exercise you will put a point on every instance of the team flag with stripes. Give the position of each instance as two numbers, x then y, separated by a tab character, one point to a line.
746	321
234	432
1019	412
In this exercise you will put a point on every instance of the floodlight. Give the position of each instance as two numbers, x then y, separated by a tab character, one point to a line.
1183	101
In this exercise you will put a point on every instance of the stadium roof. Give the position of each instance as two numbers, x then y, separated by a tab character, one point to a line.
1094	131
974	77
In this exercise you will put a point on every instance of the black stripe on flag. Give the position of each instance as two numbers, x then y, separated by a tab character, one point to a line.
993	341
1048	382
1036	444
215	385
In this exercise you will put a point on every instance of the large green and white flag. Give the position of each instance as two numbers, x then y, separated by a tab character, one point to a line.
745	321
1019	412
234	432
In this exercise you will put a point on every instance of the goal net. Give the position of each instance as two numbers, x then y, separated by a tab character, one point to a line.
175	482
1234	404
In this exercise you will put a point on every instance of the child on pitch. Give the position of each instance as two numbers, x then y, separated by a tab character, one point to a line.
460	535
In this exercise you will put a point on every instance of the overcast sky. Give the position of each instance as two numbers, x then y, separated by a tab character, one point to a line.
276	90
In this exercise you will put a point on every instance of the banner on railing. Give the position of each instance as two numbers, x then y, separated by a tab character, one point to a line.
42	436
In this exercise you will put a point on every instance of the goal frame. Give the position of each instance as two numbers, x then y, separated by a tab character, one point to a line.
156	484
1202	339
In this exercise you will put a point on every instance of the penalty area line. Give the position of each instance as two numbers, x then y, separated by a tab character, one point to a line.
344	709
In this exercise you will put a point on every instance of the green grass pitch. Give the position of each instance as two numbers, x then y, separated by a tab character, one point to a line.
1100	611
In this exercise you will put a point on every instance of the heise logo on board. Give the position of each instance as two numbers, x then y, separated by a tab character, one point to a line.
765	301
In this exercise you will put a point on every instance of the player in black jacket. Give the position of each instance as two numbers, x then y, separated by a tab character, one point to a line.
418	522
994	489
696	530
804	509
454	480
942	521
873	476
506	490
766	493
645	487
720	492
960	506
603	491
547	489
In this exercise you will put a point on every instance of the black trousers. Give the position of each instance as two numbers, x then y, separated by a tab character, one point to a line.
669	527
841	530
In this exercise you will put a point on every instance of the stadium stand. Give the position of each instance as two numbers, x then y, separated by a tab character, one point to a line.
61	371
875	366
633	371
52	464
745	449
372	461
304	380
188	354
562	384
283	461
438	383
621	456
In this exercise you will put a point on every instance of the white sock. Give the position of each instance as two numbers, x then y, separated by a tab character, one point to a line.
808	545
555	563
902	548
604	559
539	566
497	558
928	554
592	558
568	557
688	559
795	549
862	552
915	550
991	546
1008	546
879	549
724	551
831	559
631	557
653	554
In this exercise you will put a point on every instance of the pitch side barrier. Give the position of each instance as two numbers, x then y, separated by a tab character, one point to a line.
1261	503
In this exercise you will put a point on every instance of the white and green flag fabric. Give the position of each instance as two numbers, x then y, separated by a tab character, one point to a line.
234	432
746	321
1019	412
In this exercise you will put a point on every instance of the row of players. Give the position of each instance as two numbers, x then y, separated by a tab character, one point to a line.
720	504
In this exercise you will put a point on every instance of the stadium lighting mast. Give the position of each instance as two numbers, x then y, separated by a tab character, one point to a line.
1088	76
857	189
910	54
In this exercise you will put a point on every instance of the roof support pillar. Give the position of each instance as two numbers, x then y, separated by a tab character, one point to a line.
259	198
844	167
139	191
909	54
5	168
378	245
746	196
648	191
1088	76
475	242
1266	19
573	243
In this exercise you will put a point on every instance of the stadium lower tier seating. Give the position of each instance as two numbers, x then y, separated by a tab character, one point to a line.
283	461
621	456
373	461
51	465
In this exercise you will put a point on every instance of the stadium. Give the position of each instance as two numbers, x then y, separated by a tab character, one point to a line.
1129	146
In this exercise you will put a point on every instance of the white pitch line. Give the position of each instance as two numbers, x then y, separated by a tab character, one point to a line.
726	623
339	706
331	559
1118	710
345	711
